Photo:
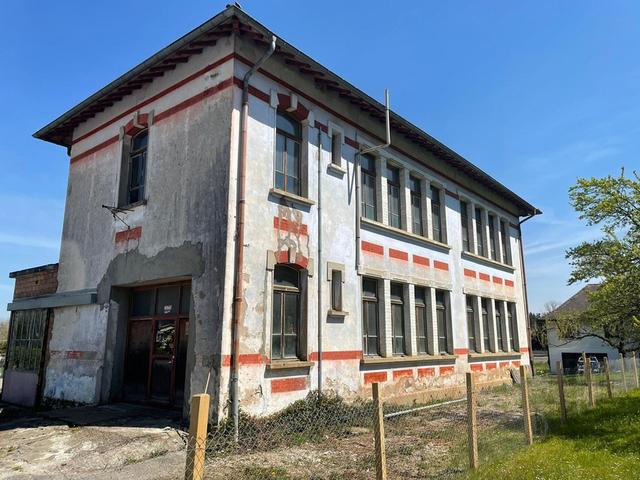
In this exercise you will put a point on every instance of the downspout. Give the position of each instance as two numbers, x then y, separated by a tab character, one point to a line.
238	290
526	295
357	174
320	268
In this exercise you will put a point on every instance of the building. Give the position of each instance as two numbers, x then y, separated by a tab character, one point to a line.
568	349
401	266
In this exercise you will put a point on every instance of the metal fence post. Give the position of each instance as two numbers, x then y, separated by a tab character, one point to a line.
526	411
196	446
563	403
607	377
635	368
378	428
624	376
472	422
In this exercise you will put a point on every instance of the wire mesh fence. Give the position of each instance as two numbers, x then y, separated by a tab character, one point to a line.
326	437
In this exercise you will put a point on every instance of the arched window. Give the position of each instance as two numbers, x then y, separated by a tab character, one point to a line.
288	147
137	166
286	312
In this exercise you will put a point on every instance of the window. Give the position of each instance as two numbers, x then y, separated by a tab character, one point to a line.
441	320
288	146
393	196
397	319
464	223
336	290
493	251
416	205
479	232
506	245
368	173
27	336
471	323
486	337
336	149
513	325
436	215
136	168
286	312
499	326
422	320
370	341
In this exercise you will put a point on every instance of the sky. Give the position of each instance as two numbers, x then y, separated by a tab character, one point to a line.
536	93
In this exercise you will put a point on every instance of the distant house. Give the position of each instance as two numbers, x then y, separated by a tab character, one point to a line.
569	349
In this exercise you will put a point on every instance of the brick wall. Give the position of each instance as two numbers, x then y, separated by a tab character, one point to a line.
35	282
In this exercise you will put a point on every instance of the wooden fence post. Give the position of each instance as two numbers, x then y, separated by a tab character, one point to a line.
587	374
635	368
563	404
378	429
472	422
607	377
624	376
526	411
197	442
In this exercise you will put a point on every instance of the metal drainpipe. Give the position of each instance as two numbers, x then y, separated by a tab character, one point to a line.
238	290
319	262
526	295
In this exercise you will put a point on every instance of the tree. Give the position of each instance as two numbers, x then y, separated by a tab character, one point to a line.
613	204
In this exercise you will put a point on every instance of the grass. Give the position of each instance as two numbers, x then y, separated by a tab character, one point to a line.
601	443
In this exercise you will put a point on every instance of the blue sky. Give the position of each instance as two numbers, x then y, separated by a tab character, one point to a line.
535	93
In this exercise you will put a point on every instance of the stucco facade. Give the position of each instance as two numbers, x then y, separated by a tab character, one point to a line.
185	231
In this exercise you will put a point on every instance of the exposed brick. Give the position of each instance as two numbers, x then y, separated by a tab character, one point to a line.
504	364
372	248
469	273
130	234
477	367
484	276
441	265
422	261
446	370
497	280
491	366
398	255
460	351
508	283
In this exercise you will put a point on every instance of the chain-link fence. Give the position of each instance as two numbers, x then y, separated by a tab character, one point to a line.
326	437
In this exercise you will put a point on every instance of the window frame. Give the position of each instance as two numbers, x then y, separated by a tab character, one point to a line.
464	224
416	197
472	339
375	300
437	228
373	176
486	324
512	318
506	243
283	291
394	185
337	297
444	308
479	233
500	330
397	303
285	158
492	240
423	319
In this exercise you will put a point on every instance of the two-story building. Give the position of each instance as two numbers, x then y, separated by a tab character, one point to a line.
228	223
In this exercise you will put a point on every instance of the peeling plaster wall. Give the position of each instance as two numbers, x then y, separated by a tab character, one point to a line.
264	390
183	232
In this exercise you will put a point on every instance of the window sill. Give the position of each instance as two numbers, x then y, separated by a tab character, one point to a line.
290	364
337	313
480	357
409	359
276	192
336	169
493	263
133	206
404	233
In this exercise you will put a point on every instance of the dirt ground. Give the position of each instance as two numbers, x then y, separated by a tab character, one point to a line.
107	442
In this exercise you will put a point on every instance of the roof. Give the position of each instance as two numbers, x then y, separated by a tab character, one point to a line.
578	303
51	267
233	20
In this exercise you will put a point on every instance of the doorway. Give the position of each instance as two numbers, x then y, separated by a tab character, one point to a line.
157	339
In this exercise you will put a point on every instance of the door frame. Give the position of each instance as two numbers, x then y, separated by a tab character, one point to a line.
153	319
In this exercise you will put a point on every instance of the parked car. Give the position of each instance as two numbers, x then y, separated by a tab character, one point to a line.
594	363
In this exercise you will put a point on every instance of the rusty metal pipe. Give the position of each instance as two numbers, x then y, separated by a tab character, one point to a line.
238	288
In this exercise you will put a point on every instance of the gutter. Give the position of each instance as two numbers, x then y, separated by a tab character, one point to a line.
238	287
524	288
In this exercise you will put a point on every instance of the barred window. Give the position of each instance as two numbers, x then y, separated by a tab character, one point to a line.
26	342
